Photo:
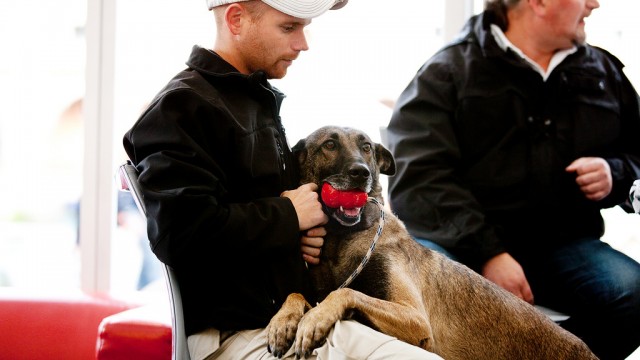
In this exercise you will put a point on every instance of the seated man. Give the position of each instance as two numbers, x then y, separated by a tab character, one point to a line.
221	188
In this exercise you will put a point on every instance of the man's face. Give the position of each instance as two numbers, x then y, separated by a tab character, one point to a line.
272	42
566	20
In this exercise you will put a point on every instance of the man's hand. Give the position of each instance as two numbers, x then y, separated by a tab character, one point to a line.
593	176
311	244
308	207
505	271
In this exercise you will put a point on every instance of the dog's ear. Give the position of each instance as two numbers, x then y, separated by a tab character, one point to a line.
386	162
300	151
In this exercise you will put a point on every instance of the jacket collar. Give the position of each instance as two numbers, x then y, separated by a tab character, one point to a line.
207	62
506	45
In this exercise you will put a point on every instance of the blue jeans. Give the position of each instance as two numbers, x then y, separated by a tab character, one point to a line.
598	286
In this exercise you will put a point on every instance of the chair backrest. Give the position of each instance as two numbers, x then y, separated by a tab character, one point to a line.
128	175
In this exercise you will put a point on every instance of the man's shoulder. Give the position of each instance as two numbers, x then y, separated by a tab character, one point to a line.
195	82
467	46
603	54
453	57
186	83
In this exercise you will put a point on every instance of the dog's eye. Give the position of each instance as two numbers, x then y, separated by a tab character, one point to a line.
329	145
366	147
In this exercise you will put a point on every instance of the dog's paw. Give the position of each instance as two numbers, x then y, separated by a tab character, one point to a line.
312	332
281	332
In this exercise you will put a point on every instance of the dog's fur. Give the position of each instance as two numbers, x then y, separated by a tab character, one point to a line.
406	290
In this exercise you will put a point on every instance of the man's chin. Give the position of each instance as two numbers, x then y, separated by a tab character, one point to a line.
580	37
277	73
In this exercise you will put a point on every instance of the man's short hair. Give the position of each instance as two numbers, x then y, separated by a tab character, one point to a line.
497	11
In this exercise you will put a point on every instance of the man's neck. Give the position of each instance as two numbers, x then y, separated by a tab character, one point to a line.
229	55
528	45
544	62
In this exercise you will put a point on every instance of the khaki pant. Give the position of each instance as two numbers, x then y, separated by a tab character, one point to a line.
349	340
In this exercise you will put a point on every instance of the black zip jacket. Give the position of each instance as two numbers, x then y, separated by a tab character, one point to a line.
213	160
481	144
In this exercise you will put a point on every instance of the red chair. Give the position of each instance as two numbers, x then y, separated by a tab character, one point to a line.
43	325
142	333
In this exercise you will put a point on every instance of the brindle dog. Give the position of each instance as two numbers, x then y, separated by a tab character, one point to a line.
405	290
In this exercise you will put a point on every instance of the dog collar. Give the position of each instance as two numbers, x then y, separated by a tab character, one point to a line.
367	256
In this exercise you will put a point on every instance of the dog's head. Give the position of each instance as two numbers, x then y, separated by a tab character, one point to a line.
348	160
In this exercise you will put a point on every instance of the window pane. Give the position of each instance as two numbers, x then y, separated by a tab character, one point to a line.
151	47
41	141
615	28
359	60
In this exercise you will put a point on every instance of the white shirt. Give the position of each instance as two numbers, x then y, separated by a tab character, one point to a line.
557	58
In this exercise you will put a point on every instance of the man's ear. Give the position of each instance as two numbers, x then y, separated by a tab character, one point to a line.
233	17
539	7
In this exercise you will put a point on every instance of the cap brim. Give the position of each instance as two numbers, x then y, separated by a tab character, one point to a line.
305	9
339	4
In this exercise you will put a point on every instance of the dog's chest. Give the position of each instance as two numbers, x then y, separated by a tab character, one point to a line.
341	258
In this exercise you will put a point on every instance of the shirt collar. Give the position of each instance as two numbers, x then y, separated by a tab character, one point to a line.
558	57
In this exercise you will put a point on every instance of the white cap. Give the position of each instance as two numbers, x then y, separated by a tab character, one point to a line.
304	9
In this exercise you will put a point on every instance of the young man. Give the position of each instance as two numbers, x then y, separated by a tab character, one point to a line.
221	188
509	141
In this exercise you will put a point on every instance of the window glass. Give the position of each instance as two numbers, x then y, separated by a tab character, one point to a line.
153	41
41	144
359	61
614	27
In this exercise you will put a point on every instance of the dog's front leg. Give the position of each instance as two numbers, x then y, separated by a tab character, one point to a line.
282	328
398	320
317	322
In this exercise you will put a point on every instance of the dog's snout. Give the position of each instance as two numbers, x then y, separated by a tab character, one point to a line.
359	172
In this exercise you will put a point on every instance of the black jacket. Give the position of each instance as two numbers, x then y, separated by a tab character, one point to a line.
481	144
213	160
